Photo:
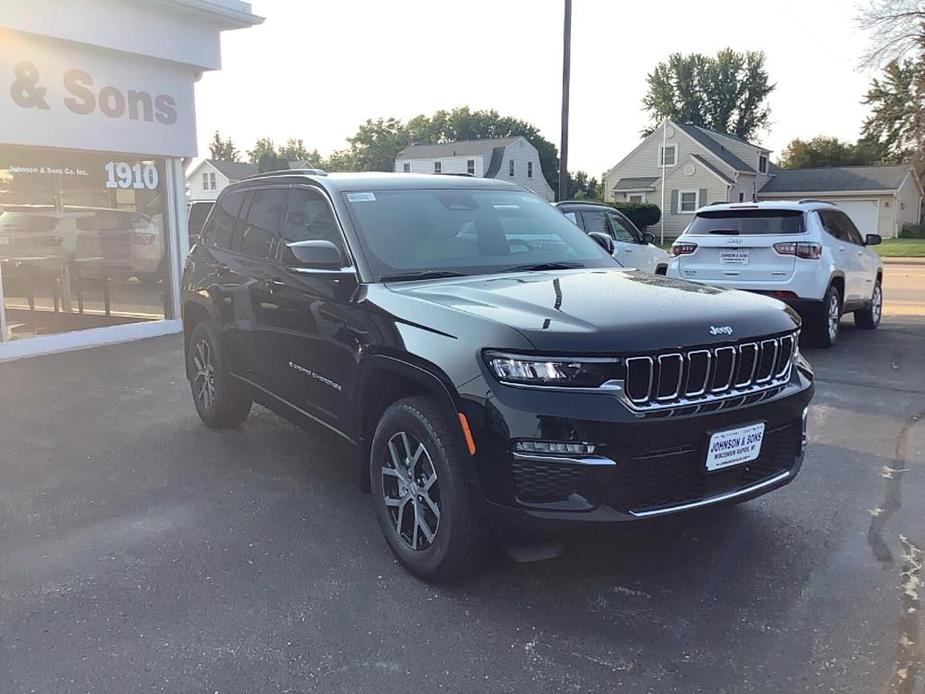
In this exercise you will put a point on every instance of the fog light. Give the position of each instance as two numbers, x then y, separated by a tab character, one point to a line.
554	447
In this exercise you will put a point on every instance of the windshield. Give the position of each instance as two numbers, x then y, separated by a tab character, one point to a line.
759	221
406	233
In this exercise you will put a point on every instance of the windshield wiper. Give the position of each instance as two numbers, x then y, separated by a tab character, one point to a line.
543	266
422	275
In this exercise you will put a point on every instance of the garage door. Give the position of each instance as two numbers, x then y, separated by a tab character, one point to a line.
863	213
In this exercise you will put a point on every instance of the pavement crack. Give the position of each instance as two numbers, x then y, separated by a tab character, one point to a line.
892	501
909	651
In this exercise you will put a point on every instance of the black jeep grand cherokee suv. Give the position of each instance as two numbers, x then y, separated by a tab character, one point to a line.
490	362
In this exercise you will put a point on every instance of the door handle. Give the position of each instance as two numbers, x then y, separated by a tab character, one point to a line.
221	269
274	284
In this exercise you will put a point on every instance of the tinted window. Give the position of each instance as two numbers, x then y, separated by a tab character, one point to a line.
310	218
221	223
755	221
469	231
597	221
622	229
263	216
838	225
198	213
572	217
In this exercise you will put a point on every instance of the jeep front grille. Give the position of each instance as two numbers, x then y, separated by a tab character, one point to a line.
693	377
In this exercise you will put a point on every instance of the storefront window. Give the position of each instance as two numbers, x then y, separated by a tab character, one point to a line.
83	241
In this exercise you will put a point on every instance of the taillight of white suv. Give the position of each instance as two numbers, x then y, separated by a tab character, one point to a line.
808	251
681	248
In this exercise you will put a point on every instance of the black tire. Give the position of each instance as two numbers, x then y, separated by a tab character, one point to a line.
221	402
458	538
869	318
661	270
824	323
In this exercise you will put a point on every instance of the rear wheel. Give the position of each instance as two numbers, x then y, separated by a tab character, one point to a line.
220	401
825	324
420	487
869	318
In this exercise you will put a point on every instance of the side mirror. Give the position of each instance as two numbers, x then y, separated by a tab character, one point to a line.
316	254
603	240
873	240
648	237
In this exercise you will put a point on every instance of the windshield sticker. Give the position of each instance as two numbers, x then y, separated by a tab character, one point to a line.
361	197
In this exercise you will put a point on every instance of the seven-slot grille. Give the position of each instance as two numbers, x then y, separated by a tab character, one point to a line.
703	374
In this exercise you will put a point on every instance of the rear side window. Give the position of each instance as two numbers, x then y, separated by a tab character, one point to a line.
839	225
760	221
263	218
221	223
623	230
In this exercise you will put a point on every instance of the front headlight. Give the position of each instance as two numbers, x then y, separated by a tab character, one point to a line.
552	371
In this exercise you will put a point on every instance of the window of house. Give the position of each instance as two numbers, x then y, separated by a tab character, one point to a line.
406	167
741	196
511	167
208	181
637	198
470	167
762	163
668	155
529	169
687	201
438	167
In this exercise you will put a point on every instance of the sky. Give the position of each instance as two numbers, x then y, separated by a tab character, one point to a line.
316	69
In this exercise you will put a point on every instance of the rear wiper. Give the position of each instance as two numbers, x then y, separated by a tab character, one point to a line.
422	275
542	266
726	232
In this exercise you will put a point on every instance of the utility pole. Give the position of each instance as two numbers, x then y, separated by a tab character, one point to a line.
566	69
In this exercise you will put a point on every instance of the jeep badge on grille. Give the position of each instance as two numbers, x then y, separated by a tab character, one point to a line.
720	330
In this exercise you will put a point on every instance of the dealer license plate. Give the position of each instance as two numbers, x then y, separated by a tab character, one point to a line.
733	257
734	446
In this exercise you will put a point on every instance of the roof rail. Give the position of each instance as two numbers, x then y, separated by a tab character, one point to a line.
450	173
291	172
809	200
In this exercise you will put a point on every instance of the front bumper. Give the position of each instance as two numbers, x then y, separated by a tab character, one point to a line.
641	466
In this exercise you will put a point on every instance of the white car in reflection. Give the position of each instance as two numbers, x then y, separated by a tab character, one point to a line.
120	243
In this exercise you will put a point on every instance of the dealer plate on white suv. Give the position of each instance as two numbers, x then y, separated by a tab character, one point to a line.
734	446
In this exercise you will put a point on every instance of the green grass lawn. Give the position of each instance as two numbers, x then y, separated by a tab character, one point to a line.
901	248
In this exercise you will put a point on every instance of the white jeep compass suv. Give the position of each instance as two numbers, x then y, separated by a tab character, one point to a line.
808	254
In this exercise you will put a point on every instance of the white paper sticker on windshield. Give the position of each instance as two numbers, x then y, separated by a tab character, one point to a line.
361	197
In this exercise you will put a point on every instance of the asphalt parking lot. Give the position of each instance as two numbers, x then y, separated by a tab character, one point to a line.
140	551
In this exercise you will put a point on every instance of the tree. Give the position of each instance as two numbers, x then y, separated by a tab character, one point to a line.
726	92
295	150
829	151
223	150
897	98
265	156
580	187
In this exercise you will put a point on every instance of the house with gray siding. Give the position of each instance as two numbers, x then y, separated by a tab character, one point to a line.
700	166
511	159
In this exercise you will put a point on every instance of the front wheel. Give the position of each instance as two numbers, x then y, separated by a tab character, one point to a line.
423	498
869	318
220	401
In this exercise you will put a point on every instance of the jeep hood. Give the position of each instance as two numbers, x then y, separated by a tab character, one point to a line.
607	310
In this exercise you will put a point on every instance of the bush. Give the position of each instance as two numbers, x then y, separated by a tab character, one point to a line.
641	214
913	231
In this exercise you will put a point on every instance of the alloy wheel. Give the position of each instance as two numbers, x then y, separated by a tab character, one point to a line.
876	304
411	492
834	316
204	378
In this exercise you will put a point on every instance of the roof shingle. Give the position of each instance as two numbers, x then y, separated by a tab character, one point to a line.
450	149
836	178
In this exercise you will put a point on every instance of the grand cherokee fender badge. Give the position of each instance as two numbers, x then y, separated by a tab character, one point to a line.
318	377
720	330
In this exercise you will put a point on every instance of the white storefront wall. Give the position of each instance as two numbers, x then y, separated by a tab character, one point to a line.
105	76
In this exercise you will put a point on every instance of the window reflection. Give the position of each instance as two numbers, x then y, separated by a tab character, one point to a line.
82	241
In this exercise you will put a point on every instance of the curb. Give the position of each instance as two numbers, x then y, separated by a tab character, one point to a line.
903	261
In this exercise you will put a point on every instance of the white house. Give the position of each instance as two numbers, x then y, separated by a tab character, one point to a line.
205	180
511	159
701	166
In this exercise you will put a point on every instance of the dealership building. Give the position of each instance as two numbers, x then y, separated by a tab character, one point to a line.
97	113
